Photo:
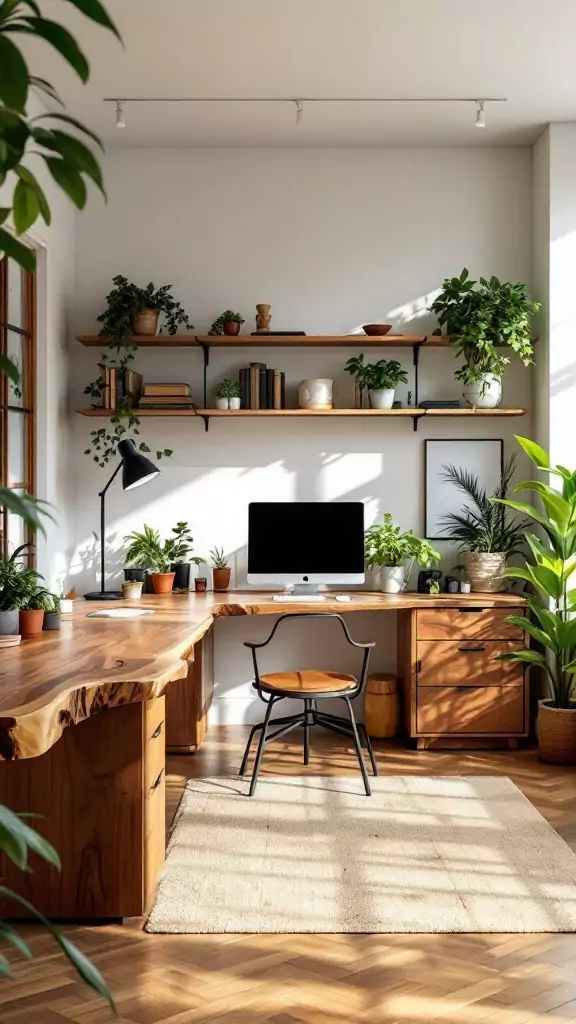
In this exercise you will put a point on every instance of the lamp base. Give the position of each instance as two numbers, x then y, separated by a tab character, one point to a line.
104	595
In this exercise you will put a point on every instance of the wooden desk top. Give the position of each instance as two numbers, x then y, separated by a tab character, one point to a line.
65	676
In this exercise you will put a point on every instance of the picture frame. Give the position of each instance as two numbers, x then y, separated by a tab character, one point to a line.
482	456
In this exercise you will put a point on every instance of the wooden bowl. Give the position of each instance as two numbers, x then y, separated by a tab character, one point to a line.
377	329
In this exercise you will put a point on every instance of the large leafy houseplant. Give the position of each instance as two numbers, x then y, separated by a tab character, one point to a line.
553	605
70	162
394	553
480	316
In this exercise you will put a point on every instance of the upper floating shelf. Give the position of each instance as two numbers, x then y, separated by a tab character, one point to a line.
367	413
282	340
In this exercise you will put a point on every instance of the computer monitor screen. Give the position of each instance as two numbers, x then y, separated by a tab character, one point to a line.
305	542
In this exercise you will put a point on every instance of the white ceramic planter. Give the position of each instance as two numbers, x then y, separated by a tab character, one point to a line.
315	393
233	403
383	399
392	579
222	403
485	394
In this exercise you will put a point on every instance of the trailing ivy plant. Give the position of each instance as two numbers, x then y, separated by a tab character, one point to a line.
125	302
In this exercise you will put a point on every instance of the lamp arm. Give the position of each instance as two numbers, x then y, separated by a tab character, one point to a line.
102	496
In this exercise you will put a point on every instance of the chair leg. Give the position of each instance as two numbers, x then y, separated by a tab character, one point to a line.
357	746
253	730
369	747
307	714
260	750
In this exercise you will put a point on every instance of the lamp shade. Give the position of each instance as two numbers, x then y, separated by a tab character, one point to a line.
136	468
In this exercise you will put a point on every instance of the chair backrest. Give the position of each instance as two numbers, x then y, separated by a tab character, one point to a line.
366	647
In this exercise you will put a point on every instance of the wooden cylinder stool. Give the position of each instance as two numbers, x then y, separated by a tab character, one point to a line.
382	706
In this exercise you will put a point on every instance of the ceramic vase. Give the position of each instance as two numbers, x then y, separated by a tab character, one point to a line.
382	399
315	393
485	393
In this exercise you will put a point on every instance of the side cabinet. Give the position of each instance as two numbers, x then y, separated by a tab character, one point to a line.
455	691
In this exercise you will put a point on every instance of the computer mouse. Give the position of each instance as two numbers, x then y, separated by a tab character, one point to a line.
342	597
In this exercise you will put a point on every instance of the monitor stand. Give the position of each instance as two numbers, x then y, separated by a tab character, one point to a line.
304	589
301	593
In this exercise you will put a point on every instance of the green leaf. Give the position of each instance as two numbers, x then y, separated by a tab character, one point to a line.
46	87
93	9
26	207
28	508
79	154
14	846
69	180
13	248
534	631
13	75
532	657
534	452
61	39
33	182
524	509
9	369
9	935
70	120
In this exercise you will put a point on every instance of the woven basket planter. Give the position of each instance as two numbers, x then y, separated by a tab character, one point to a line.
146	322
556	733
484	570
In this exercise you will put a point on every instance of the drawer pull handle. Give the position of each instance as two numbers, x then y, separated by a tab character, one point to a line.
472	650
470	611
157	731
157	782
462	687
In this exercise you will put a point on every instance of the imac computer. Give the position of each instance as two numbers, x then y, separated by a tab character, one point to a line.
305	543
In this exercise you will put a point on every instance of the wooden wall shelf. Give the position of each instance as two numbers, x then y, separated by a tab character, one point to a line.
281	340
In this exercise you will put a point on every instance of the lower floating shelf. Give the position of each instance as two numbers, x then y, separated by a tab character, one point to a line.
206	414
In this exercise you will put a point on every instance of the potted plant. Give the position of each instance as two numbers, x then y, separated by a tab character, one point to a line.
227	394
484	529
227	323
132	590
220	570
10	593
53	613
180	550
146	551
394	554
553	604
34	602
383	379
479	316
134	310
361	372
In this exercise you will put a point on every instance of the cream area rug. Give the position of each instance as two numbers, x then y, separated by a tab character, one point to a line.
465	854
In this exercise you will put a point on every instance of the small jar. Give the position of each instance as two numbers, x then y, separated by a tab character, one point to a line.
200	584
465	587
132	590
453	587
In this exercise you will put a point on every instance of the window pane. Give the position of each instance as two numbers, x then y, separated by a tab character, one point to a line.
16	425
15	350
15	290
16	530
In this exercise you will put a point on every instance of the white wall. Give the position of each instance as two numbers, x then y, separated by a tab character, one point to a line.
54	247
332	239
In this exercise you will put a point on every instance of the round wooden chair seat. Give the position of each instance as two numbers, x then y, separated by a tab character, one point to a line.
308	682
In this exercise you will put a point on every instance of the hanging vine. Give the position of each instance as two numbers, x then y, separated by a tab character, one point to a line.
126	302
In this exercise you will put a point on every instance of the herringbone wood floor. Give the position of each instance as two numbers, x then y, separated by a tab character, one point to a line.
317	979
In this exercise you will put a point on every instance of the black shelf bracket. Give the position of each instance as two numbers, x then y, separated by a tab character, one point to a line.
206	421
206	353
416	361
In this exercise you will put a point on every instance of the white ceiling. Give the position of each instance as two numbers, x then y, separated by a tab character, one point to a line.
524	50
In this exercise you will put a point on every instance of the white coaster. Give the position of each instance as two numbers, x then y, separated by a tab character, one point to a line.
120	613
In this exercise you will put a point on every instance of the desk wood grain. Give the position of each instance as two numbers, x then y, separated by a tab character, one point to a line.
65	677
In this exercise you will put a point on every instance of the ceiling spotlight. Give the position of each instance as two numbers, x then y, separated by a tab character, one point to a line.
299	110
120	122
480	121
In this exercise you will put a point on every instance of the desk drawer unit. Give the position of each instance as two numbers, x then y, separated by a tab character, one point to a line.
457	688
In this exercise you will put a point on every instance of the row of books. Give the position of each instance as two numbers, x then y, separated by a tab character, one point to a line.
119	384
261	388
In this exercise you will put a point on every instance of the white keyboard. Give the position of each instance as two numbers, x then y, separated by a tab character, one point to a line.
299	598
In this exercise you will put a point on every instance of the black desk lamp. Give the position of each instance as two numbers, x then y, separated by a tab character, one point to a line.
136	470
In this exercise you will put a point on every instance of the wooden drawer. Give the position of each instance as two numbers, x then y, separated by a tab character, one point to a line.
468	623
453	710
155	740
154	834
470	662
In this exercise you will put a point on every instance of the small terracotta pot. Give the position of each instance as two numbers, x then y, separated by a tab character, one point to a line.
132	590
556	729
162	582
221	579
146	322
231	327
200	584
31	622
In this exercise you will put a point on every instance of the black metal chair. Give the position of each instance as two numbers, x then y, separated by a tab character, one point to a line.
310	687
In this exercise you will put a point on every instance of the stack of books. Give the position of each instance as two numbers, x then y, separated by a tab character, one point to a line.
166	396
261	388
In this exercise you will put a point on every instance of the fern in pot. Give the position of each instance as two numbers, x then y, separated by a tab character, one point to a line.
485	531
147	551
483	318
552	622
394	554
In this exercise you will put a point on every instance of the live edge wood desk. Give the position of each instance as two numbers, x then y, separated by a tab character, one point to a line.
99	778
